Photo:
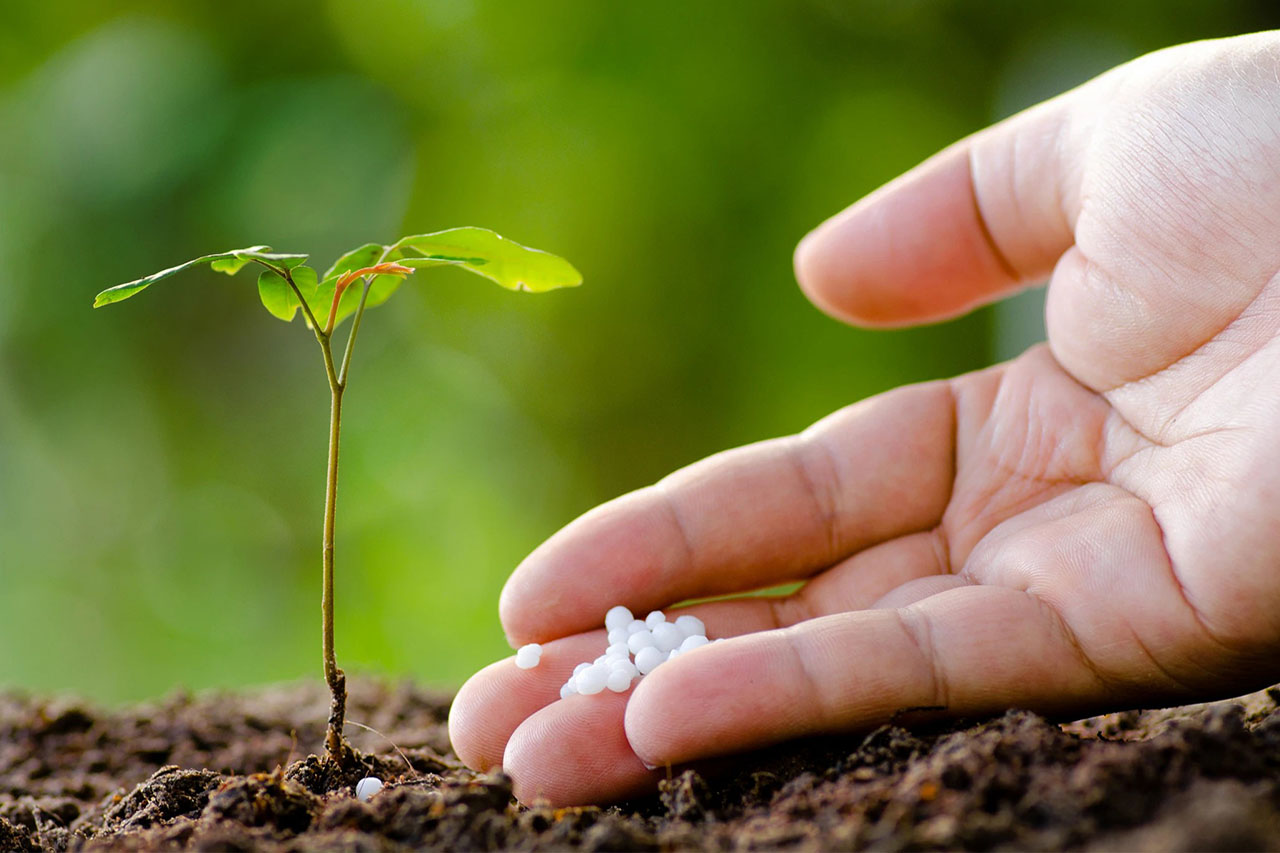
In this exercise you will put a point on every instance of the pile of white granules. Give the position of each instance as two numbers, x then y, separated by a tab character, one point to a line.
636	648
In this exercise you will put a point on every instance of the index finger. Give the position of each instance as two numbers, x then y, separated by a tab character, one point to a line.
763	514
970	225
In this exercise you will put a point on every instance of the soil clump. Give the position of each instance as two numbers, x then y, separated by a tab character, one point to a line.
233	772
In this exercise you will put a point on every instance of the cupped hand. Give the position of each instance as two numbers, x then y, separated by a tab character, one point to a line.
1093	525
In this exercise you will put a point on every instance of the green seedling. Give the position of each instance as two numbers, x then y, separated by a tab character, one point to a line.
287	287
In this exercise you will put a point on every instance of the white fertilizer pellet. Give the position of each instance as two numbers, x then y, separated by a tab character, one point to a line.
527	657
648	659
626	666
635	648
638	641
367	787
617	617
666	636
619	680
593	679
693	642
691	626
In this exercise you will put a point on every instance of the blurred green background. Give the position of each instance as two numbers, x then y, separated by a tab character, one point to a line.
161	463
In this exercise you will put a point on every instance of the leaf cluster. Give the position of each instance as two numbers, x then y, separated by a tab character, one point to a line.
287	284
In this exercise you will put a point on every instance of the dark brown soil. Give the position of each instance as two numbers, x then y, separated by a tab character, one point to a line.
221	772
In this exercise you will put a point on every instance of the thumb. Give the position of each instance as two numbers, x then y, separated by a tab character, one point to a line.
968	226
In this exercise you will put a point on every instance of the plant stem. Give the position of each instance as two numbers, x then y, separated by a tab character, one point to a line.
334	743
355	322
351	338
306	309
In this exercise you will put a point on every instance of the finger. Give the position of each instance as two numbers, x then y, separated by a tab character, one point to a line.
918	590
862	580
494	701
971	650
760	515
575	752
856	583
969	225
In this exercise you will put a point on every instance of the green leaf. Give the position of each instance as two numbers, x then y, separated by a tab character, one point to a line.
489	254
226	262
365	256
427	263
380	289
240	257
276	295
279	298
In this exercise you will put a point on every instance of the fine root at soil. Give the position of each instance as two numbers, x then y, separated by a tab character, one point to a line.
215	773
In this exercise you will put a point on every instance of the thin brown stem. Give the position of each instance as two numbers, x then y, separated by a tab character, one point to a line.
327	350
335	744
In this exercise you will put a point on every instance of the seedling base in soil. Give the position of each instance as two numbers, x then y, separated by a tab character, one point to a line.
221	772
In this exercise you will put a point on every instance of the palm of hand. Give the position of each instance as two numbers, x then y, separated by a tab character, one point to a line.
1091	525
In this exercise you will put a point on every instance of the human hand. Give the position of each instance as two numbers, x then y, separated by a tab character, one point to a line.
1093	525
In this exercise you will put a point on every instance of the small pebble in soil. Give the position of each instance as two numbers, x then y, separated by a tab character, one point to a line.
652	642
367	787
527	657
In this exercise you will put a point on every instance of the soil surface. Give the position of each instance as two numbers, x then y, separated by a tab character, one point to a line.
230	772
